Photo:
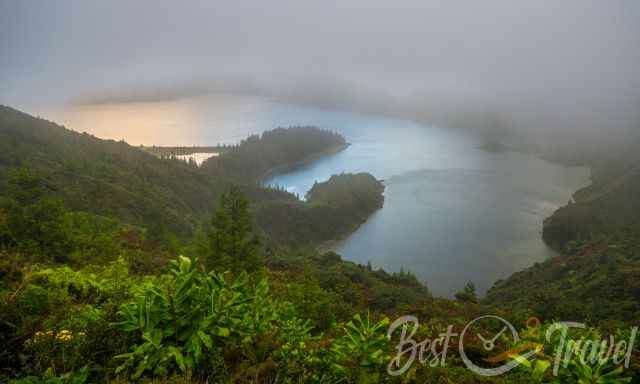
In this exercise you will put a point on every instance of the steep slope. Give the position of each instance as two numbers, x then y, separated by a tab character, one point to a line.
168	195
595	278
611	203
105	176
595	281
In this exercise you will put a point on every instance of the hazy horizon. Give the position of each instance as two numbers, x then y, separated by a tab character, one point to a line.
567	67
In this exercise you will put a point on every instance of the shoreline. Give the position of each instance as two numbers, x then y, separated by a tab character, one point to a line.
306	161
329	245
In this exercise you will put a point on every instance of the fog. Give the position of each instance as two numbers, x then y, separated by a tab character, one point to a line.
528	66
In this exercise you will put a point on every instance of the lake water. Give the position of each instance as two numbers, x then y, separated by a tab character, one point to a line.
198	158
452	213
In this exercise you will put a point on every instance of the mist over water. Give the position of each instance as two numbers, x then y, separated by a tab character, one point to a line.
490	124
452	214
564	70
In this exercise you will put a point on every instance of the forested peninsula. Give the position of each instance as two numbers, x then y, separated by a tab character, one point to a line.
118	265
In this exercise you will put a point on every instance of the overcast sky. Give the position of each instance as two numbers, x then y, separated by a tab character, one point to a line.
553	64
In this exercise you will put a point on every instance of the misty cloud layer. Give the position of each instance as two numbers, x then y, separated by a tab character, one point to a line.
538	66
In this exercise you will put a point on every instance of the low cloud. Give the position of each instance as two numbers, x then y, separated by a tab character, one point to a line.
568	67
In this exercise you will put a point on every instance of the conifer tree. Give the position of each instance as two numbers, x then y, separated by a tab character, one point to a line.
468	294
233	243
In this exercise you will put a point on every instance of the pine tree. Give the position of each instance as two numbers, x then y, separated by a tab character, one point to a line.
233	243
468	294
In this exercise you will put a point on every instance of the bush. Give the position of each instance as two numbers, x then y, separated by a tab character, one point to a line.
206	323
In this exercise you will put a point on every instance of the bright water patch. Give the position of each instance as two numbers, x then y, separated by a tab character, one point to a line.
452	212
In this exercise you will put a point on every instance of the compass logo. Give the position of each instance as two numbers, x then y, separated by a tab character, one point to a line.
489	345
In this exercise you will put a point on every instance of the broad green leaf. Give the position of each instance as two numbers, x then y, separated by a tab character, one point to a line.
206	339
223	332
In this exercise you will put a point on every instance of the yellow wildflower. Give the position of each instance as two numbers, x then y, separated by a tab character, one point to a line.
64	335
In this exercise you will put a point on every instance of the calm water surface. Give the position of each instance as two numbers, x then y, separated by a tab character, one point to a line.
452	212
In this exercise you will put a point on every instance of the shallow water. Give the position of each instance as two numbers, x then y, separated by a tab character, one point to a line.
452	212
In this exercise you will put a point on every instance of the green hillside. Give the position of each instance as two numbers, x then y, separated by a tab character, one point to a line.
258	155
104	176
117	266
112	178
595	277
608	205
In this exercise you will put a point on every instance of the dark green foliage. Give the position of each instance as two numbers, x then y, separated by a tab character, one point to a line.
60	345
204	323
40	228
258	155
24	186
323	306
56	320
86	294
594	281
595	277
311	278
232	242
361	353
33	223
468	294
577	368
97	239
168	197
360	191
608	205
104	176
333	208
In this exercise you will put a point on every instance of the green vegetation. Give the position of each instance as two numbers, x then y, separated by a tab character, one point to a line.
333	208
468	294
232	242
258	155
206	323
121	317
105	177
579	369
608	205
143	314
180	276
72	273
594	279
168	197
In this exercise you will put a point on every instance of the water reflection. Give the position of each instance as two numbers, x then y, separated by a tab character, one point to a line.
452	212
